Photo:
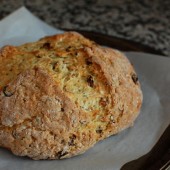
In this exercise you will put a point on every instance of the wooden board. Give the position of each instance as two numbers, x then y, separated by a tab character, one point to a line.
117	43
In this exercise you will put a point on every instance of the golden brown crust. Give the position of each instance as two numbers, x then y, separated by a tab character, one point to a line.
62	94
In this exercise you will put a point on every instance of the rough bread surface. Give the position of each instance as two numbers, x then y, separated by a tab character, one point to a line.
62	94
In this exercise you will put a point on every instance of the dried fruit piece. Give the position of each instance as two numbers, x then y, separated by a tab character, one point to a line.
61	154
90	81
6	92
47	46
89	61
134	78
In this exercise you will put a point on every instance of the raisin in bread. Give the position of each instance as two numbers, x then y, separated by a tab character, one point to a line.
62	94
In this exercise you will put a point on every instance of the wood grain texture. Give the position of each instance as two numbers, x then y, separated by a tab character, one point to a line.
117	43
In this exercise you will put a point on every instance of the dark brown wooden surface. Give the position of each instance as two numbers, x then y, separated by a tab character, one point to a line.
160	153
154	159
117	43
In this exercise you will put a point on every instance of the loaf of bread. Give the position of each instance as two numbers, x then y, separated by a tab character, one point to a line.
62	94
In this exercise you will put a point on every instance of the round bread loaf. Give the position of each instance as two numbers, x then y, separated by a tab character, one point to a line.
62	94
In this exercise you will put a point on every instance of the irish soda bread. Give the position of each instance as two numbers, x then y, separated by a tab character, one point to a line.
62	94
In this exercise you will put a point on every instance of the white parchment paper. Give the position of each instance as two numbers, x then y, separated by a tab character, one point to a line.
114	152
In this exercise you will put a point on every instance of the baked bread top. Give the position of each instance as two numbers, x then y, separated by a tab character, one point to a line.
62	94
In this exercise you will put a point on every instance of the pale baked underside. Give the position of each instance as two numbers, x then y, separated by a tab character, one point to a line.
62	94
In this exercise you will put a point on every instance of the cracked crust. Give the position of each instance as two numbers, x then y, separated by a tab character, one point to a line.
62	94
